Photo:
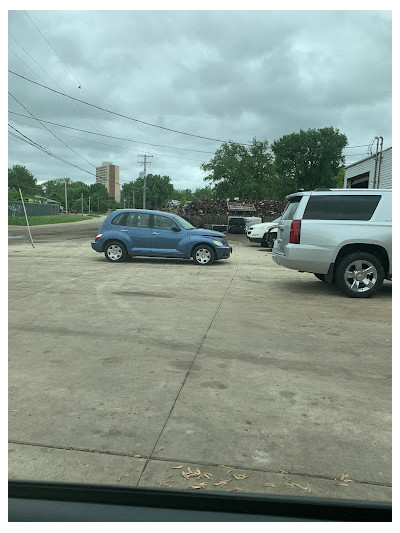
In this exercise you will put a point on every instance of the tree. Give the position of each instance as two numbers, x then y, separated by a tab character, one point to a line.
159	189
20	177
237	170
99	199
204	193
13	195
309	159
339	179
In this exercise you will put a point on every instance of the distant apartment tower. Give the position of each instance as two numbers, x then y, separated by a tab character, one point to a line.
108	175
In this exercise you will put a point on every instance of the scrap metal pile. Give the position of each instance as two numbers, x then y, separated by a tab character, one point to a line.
263	208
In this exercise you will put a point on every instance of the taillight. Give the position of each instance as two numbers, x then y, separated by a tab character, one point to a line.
98	236
295	228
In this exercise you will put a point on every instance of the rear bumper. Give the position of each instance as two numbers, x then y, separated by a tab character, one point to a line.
96	246
303	259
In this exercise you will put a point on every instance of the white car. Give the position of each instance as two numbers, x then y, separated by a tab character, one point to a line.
343	236
258	232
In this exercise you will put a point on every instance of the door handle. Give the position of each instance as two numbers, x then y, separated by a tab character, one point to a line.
155	233
124	230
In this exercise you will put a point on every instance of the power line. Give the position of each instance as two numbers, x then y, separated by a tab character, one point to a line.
125	116
27	140
65	144
54	81
107	144
135	141
114	137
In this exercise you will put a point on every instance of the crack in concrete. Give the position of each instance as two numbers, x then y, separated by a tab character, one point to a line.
180	461
188	372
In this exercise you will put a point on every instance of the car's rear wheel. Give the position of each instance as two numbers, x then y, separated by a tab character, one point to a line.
321	277
359	275
115	252
203	255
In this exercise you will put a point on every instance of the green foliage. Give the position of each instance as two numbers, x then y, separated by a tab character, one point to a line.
309	159
13	195
159	189
20	176
237	170
339	179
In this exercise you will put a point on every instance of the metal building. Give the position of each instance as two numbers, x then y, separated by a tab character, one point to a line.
373	172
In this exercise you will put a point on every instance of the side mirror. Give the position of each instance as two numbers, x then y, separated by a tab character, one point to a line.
175	228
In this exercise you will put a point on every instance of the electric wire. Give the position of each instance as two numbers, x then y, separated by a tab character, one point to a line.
125	116
118	138
65	144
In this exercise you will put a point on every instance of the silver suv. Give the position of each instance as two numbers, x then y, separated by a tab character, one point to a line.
342	236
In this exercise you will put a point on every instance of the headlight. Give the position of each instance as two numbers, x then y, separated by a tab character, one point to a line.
218	243
250	228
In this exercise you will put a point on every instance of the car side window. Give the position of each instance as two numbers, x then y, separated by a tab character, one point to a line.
119	220
290	209
138	220
161	222
341	207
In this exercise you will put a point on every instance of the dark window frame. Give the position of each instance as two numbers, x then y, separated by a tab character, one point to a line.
123	218
357	207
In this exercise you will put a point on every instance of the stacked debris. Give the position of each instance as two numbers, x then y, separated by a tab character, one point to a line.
263	208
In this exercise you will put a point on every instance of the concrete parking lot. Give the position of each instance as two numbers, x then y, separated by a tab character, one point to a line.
251	373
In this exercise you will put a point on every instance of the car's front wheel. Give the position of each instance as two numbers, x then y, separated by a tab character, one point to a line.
115	252
203	255
359	275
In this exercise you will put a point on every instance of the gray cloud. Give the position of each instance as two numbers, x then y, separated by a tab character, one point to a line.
222	74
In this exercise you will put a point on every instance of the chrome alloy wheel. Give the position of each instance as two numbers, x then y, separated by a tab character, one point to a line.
114	252
360	276
203	256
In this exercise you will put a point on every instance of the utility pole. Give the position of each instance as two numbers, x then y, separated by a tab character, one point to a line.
89	205
66	200
133	199
26	217
82	201
144	161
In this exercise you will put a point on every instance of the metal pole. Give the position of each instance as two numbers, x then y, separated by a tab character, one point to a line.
133	199
26	217
380	164
82	202
144	184
66	199
89	205
376	160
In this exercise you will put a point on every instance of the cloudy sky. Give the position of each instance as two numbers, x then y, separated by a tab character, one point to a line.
224	75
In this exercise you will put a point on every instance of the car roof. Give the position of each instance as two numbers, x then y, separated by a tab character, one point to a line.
322	192
150	211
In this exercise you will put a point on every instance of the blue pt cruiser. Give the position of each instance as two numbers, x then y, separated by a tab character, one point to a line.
131	232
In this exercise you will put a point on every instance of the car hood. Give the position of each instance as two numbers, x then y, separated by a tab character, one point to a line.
207	233
264	225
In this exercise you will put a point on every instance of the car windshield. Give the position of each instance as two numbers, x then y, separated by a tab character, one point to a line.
184	223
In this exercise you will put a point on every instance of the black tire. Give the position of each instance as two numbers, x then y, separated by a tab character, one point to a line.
203	254
359	275
264	242
321	277
115	252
